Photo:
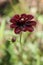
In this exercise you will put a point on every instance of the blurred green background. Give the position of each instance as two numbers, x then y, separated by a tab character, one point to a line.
32	52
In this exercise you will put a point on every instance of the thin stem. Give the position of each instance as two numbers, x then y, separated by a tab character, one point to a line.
20	40
38	60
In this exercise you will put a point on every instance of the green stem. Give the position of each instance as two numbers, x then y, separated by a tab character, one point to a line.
20	40
38	60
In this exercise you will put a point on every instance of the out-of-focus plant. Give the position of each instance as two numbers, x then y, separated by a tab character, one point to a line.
32	52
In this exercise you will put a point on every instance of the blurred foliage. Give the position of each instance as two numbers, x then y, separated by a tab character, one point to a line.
10	52
15	2
6	8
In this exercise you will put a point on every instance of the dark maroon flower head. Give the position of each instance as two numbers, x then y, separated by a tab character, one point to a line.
22	22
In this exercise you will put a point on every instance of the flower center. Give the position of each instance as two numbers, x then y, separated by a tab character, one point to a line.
20	24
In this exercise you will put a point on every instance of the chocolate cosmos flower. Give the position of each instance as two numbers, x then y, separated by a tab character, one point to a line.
22	22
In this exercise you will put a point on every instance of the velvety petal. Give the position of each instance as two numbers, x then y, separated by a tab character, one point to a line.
13	25
17	30
27	23
12	20
33	23
16	17
30	17
30	23
30	29
24	29
23	15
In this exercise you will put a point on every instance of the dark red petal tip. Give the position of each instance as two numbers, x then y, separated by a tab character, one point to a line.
30	17
33	23
12	25
16	17
24	29
23	15
12	20
30	29
17	30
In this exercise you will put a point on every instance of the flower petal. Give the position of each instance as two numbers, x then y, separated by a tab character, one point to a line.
12	20
30	29
23	15
33	23
23	29
17	30
16	17
30	17
30	23
13	26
